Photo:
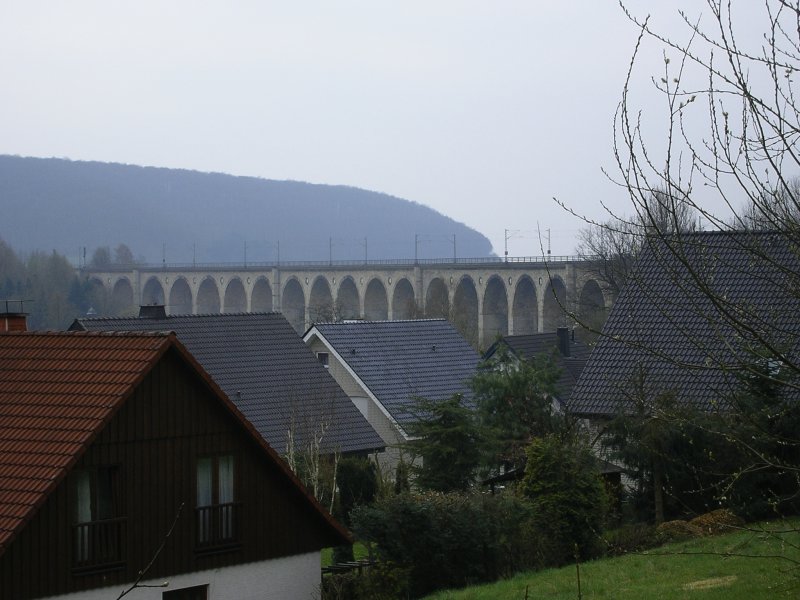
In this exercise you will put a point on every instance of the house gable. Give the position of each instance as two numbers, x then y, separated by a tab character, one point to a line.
362	397
171	418
398	361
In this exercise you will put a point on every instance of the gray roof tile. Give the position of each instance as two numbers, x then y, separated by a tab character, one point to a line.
530	345
401	360
264	367
663	326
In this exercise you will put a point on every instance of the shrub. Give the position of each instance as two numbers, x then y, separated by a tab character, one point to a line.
382	581
567	496
633	537
717	521
677	530
448	540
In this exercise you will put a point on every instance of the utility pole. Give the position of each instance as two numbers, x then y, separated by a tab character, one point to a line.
454	249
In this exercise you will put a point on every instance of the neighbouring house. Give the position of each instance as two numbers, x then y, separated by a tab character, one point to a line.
383	366
666	335
702	318
119	454
569	354
264	367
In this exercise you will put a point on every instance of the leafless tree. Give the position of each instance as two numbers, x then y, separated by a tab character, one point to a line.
614	244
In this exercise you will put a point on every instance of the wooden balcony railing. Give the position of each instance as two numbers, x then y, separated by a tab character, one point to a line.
98	544
218	526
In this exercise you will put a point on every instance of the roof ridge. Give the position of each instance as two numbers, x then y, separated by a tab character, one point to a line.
55	333
376	322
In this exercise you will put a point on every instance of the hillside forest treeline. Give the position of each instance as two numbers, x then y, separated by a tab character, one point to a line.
51	291
175	215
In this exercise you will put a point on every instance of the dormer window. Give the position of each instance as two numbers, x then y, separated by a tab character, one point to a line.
323	358
217	509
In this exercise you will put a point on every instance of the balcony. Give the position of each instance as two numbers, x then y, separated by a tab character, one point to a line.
218	527
98	545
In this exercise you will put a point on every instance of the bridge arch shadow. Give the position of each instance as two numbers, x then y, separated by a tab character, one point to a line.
404	304
465	309
347	300
495	310
320	303
122	303
235	300
261	296
293	304
180	297
153	292
376	301
555	303
208	296
437	300
526	307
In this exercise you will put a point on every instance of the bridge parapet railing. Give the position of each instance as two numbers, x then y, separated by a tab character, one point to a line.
317	264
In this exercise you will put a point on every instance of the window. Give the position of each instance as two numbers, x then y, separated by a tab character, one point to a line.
99	526
196	592
217	509
323	358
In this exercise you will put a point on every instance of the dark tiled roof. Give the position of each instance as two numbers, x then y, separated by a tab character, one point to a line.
267	371
530	345
401	360
536	343
664	330
57	391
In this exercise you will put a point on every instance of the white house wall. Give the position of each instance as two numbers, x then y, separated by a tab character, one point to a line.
285	578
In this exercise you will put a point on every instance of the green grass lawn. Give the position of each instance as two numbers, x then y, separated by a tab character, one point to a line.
706	568
359	552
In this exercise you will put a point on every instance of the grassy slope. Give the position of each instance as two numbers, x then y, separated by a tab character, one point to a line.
670	572
359	551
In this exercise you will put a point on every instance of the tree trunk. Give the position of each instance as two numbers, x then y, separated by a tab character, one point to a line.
658	493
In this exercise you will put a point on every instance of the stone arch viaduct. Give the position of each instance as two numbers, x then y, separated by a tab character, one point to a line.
483	297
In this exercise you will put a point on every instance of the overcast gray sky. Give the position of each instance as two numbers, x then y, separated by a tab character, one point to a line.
482	110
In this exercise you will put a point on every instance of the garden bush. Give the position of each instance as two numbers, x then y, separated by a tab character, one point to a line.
633	537
567	497
448	539
381	581
677	530
721	520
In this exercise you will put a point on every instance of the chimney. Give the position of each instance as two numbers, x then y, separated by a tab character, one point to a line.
152	311
13	320
563	341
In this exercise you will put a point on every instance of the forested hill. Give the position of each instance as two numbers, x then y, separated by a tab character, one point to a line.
211	217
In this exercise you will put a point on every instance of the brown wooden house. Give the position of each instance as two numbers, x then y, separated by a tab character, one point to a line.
114	445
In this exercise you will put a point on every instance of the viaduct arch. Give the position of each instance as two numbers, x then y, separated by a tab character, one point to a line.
482	297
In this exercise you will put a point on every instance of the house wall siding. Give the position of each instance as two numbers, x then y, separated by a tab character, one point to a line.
155	438
338	371
374	415
276	579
